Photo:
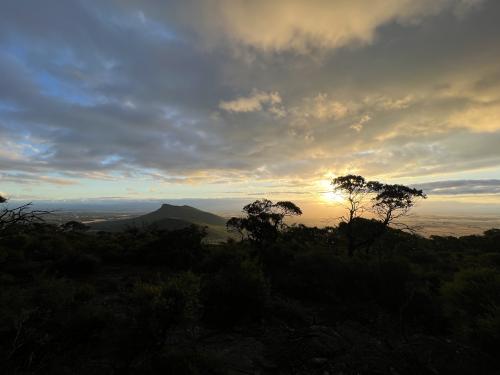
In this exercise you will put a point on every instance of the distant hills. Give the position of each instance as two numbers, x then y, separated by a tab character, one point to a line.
168	217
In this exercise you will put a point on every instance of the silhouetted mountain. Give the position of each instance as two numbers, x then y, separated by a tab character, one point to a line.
169	217
184	213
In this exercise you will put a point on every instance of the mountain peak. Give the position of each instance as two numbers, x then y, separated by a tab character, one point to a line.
167	206
172	217
186	213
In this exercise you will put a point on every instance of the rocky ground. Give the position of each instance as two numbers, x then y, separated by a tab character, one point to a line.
341	350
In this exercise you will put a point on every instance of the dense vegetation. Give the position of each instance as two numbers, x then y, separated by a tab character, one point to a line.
283	300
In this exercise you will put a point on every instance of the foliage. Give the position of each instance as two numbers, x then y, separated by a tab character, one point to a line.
235	294
393	201
474	305
177	250
291	301
387	202
264	220
158	306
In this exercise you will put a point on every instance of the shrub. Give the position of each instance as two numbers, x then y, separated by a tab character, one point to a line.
187	361
288	311
321	277
236	294
178	250
472	302
160	306
76	264
350	286
395	278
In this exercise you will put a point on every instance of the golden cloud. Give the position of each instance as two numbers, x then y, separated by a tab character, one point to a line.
299	25
254	102
478	118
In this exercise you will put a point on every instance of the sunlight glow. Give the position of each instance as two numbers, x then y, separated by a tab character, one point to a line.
332	196
327	193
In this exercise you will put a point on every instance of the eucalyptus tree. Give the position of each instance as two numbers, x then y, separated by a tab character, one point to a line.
263	220
387	202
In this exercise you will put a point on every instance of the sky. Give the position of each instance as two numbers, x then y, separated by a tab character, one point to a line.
232	98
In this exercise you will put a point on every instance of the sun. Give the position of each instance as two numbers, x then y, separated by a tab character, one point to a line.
332	196
327	193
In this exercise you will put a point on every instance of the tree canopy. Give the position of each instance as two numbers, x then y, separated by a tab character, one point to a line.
387	202
264	219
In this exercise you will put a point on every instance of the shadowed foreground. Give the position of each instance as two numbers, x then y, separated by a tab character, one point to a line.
289	301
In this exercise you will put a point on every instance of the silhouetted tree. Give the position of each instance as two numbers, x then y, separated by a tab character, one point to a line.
388	203
236	224
393	201
355	189
264	220
20	215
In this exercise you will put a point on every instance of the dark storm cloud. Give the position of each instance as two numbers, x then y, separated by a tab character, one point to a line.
171	89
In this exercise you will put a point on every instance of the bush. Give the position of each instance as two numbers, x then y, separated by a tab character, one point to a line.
350	286
394	286
75	264
288	311
321	277
186	361
178	250
472	303
159	306
236	294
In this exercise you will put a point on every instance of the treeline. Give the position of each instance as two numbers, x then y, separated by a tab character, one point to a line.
282	300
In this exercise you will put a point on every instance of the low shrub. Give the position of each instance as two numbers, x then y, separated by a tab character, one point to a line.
77	264
159	306
236	294
472	302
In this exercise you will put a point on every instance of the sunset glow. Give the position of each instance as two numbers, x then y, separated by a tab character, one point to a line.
233	99
327	193
249	187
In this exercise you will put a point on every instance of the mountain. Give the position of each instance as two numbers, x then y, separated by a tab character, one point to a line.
184	213
168	217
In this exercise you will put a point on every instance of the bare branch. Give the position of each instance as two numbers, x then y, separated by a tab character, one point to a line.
20	215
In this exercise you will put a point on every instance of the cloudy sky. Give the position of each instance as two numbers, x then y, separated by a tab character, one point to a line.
234	98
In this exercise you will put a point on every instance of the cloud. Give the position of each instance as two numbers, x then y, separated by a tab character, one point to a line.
321	107
303	26
26	178
464	6
255	102
384	102
359	125
458	187
57	181
479	117
158	91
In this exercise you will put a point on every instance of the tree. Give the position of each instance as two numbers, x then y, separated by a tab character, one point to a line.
355	190
264	220
394	201
20	215
387	202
